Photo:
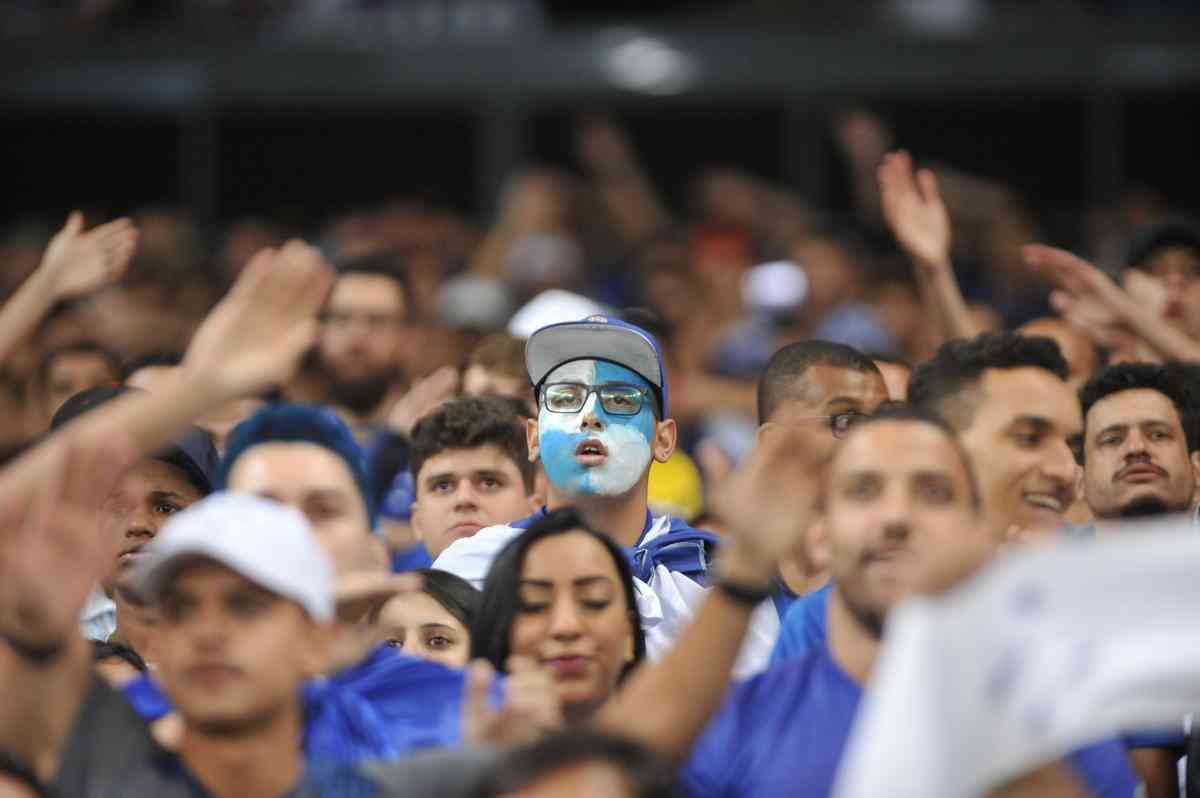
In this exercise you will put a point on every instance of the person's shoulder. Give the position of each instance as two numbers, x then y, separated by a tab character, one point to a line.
471	558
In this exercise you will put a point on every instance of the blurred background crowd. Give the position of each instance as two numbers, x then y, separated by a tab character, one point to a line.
738	214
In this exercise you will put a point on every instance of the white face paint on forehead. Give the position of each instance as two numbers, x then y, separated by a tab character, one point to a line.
583	371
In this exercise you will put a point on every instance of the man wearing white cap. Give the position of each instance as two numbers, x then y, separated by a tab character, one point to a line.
246	596
601	388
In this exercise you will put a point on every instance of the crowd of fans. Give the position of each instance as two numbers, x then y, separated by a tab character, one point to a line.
605	499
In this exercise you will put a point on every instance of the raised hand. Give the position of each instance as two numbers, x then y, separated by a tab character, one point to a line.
50	552
256	335
425	396
358	595
77	263
767	504
914	211
531	705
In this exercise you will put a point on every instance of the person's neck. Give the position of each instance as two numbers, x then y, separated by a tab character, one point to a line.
851	644
623	518
264	764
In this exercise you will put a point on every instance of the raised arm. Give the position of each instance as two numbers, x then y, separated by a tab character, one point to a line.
765	507
917	217
252	340
1083	286
74	264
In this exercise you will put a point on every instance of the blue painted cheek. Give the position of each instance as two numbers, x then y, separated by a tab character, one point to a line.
558	456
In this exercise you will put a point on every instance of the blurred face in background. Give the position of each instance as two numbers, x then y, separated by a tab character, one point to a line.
362	338
72	372
319	484
143	500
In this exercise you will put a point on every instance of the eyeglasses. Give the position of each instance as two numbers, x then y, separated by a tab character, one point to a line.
840	424
617	398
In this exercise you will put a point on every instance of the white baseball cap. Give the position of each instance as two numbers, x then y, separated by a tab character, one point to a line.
268	543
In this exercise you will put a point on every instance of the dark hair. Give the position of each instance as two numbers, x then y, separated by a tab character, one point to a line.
939	383
646	773
102	651
501	591
468	423
777	384
390	264
906	412
456	595
1176	232
79	348
1171	382
152	360
294	423
650	321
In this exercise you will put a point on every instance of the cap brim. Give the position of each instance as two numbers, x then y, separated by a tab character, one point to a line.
550	347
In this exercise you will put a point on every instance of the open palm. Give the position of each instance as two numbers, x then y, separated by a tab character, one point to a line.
77	263
914	210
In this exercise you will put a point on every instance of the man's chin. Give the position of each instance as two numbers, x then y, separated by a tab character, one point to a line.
1144	507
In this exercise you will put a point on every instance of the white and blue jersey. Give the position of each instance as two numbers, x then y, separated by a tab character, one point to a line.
671	565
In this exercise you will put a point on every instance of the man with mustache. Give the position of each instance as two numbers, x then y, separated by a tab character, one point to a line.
603	418
1140	441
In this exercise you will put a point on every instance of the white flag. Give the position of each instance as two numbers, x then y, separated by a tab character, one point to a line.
1049	649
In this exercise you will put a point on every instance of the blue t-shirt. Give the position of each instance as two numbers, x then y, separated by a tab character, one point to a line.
414	558
803	627
783	732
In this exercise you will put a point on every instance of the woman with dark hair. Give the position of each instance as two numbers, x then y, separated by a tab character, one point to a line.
435	623
562	595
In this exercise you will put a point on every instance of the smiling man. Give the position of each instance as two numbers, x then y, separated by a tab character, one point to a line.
1140	443
603	418
1007	398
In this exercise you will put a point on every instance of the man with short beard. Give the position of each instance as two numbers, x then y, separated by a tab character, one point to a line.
362	341
1140	443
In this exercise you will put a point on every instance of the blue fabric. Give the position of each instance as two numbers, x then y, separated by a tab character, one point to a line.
414	558
782	597
803	628
381	708
146	698
782	733
681	549
401	494
1171	739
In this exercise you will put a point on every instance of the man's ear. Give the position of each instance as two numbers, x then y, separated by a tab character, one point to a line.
414	521
541	490
531	439
666	435
816	546
1195	458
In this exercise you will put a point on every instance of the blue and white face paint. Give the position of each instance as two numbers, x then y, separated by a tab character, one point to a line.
566	445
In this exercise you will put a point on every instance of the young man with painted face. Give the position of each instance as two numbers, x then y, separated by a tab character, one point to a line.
602	420
903	514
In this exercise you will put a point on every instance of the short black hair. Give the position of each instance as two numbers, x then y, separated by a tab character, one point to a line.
470	422
1174	232
456	595
646	773
787	366
940	383
905	411
1171	382
79	348
502	588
